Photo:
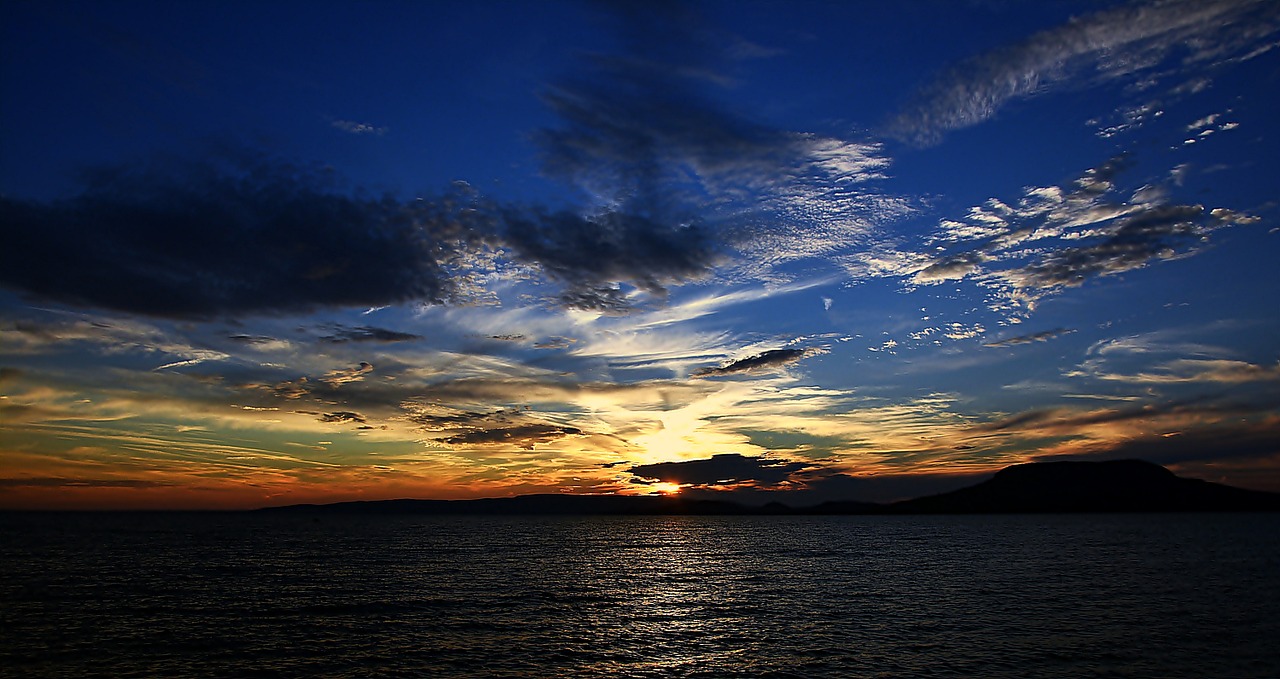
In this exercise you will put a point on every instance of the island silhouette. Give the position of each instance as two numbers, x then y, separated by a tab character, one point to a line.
1037	487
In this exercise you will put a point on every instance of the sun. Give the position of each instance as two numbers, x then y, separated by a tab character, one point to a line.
666	488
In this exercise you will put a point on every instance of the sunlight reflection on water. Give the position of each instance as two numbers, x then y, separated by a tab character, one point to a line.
1050	596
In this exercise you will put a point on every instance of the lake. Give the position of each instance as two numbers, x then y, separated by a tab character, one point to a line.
244	594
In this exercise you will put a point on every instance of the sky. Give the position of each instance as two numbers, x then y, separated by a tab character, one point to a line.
261	254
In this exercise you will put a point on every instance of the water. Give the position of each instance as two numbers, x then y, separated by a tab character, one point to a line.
145	595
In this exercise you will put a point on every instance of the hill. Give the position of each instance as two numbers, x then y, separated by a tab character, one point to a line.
1113	486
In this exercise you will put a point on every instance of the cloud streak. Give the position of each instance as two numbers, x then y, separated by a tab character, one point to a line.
524	436
353	127
772	359
1043	336
365	333
1106	45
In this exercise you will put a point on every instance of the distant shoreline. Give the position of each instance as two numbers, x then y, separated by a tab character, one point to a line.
1120	486
1110	487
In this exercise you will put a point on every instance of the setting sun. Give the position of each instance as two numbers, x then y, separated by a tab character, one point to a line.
666	488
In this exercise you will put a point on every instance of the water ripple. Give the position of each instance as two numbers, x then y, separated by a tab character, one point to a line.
1019	596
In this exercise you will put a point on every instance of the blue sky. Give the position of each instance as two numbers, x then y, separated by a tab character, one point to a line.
270	253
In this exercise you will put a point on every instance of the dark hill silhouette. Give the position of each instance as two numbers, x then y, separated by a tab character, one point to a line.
1115	486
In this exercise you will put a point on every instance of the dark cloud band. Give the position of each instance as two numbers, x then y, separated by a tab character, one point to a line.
764	361
728	468
210	239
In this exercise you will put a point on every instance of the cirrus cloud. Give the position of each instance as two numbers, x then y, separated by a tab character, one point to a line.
1105	45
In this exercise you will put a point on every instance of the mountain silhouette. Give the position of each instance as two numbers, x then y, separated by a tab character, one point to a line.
1112	486
1038	487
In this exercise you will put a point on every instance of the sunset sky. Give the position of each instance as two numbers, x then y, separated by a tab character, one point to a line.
262	253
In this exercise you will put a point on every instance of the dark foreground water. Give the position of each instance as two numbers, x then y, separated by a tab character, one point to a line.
220	595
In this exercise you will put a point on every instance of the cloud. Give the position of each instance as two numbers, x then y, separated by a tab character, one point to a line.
434	417
723	469
762	362
358	128
948	269
336	417
1249	440
181	364
814	486
554	343
1113	43
1067	430
1188	370
53	331
59	482
1133	241
681	183
627	348
1051	420
228	237
1056	237
337	378
523	436
1170	357
366	333
192	240
1043	336
675	186
693	307
1161	342
635	119
595	253
257	340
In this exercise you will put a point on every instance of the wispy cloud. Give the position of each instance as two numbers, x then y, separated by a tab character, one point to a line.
685	185
366	333
354	127
1121	42
1058	237
337	378
524	437
1209	445
1169	357
338	417
261	342
52	331
1042	336
1201	430
772	359
1187	370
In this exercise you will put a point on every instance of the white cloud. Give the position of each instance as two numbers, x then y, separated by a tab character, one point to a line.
1113	43
354	127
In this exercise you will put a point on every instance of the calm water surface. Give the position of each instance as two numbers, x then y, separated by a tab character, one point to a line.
145	595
